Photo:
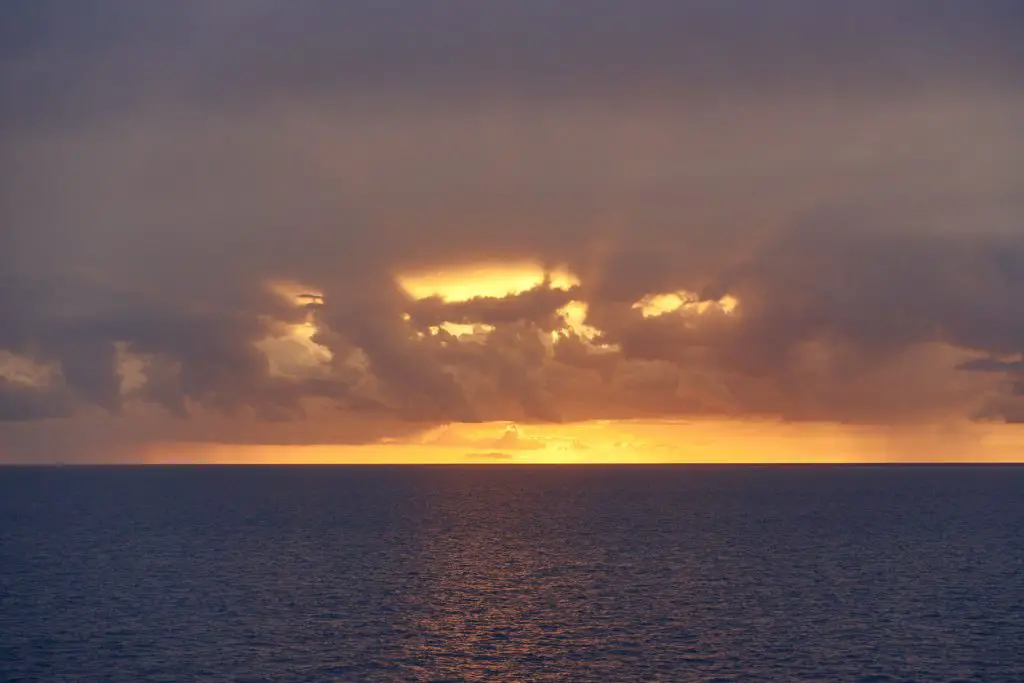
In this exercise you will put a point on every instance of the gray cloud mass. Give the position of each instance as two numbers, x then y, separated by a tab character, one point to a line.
851	173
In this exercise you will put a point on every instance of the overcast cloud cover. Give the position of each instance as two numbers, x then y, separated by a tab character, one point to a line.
851	172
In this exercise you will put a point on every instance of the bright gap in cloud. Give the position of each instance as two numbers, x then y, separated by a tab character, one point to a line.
574	314
463	330
494	279
684	302
294	352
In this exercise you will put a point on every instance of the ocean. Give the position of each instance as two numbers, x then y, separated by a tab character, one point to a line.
504	573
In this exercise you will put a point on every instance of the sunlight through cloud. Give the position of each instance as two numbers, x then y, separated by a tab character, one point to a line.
488	279
681	301
294	352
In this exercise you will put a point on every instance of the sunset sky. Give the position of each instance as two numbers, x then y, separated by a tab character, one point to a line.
538	231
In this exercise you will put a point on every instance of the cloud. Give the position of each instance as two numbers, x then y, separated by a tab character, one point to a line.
993	365
539	306
490	456
235	54
167	167
510	439
20	402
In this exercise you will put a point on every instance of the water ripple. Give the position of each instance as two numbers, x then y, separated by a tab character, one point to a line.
496	574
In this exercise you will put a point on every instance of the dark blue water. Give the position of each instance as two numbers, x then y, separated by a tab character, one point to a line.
529	574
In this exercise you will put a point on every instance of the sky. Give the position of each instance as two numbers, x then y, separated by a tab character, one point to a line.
533	231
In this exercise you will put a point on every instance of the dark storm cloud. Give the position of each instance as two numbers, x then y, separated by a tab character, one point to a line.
849	171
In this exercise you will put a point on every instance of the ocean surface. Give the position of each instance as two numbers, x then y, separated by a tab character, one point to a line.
512	574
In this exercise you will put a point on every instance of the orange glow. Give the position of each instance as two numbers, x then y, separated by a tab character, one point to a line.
463	330
575	313
496	279
634	442
683	302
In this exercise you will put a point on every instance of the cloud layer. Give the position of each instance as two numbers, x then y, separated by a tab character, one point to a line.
849	173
